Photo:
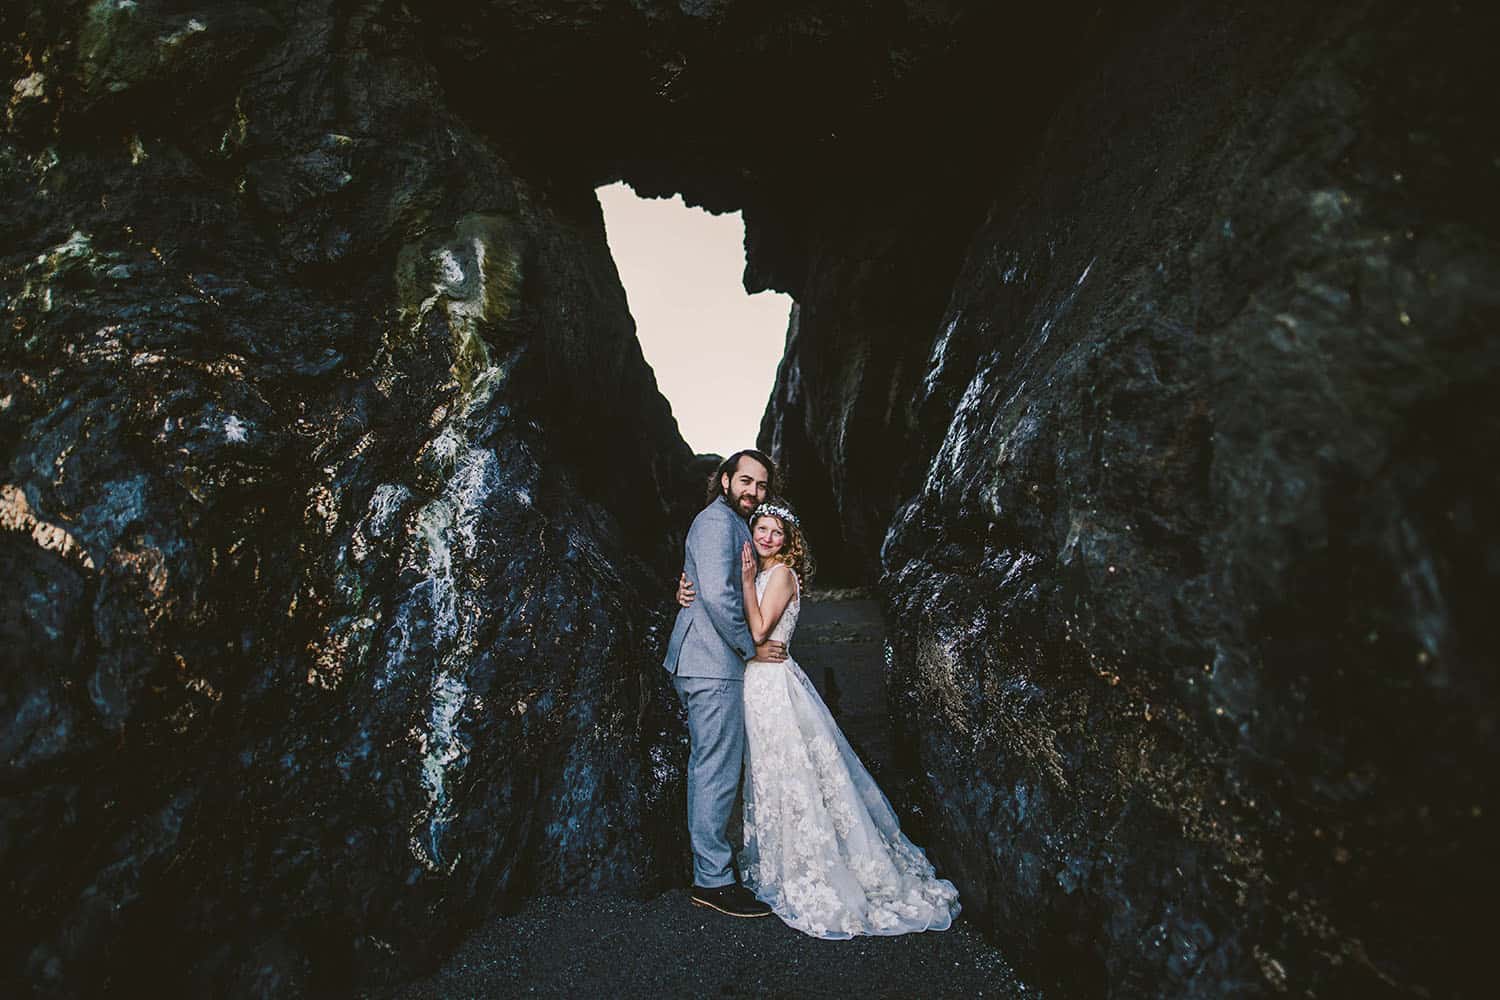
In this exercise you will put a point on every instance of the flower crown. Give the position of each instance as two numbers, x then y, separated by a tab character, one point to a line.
775	510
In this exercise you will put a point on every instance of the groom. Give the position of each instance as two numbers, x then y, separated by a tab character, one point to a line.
706	657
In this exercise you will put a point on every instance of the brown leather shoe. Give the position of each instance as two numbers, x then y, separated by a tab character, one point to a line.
734	900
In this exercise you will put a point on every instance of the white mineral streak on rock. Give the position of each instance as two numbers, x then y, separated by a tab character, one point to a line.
447	536
450	273
446	445
448	532
386	503
477	475
939	356
956	440
1079	283
46	266
961	433
433	528
397	645
1064	305
465	306
193	27
436	734
442	747
75	247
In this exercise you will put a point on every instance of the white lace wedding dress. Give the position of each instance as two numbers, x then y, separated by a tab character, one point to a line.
822	846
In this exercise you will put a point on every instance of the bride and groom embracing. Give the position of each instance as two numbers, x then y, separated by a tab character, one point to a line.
823	849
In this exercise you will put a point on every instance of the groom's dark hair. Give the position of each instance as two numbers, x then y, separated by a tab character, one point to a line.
715	482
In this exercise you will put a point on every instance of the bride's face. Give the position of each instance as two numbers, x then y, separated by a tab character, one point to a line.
769	536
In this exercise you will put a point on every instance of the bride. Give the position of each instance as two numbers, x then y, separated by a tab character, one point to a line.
822	846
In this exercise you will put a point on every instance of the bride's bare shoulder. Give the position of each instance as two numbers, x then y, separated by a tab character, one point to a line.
789	576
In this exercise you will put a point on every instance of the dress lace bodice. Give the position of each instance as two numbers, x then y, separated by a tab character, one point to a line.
788	623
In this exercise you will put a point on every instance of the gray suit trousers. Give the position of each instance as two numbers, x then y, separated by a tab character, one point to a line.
716	724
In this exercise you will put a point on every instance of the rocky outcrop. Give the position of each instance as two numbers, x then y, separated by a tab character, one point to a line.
1189	596
325	636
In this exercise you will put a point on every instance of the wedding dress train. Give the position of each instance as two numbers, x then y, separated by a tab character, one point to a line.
822	846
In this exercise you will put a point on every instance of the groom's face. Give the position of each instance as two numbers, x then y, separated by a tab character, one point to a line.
745	487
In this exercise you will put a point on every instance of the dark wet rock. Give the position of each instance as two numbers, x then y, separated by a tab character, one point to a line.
325	637
339	505
1191	585
621	947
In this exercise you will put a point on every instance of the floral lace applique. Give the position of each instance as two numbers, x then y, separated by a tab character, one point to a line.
822	845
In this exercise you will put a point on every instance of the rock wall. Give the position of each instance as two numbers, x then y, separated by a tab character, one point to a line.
844	132
1151	342
1190	599
325	637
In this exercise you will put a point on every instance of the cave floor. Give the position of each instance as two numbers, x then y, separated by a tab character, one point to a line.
840	645
615	946
611	946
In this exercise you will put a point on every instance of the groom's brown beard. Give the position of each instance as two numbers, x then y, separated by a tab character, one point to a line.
736	500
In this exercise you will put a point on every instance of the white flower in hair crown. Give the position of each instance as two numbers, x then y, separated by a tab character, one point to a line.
775	510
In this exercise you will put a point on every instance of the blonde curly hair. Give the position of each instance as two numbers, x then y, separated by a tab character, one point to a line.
794	549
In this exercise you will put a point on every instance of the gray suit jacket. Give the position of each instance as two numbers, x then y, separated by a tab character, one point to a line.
710	638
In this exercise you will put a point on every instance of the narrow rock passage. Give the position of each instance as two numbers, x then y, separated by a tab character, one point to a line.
666	947
840	643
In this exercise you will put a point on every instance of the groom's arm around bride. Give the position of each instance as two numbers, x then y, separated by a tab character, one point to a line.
711	560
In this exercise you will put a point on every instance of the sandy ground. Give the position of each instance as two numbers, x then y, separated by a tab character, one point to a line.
665	947
612	946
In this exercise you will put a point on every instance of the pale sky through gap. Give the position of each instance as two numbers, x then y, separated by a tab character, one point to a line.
714	348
